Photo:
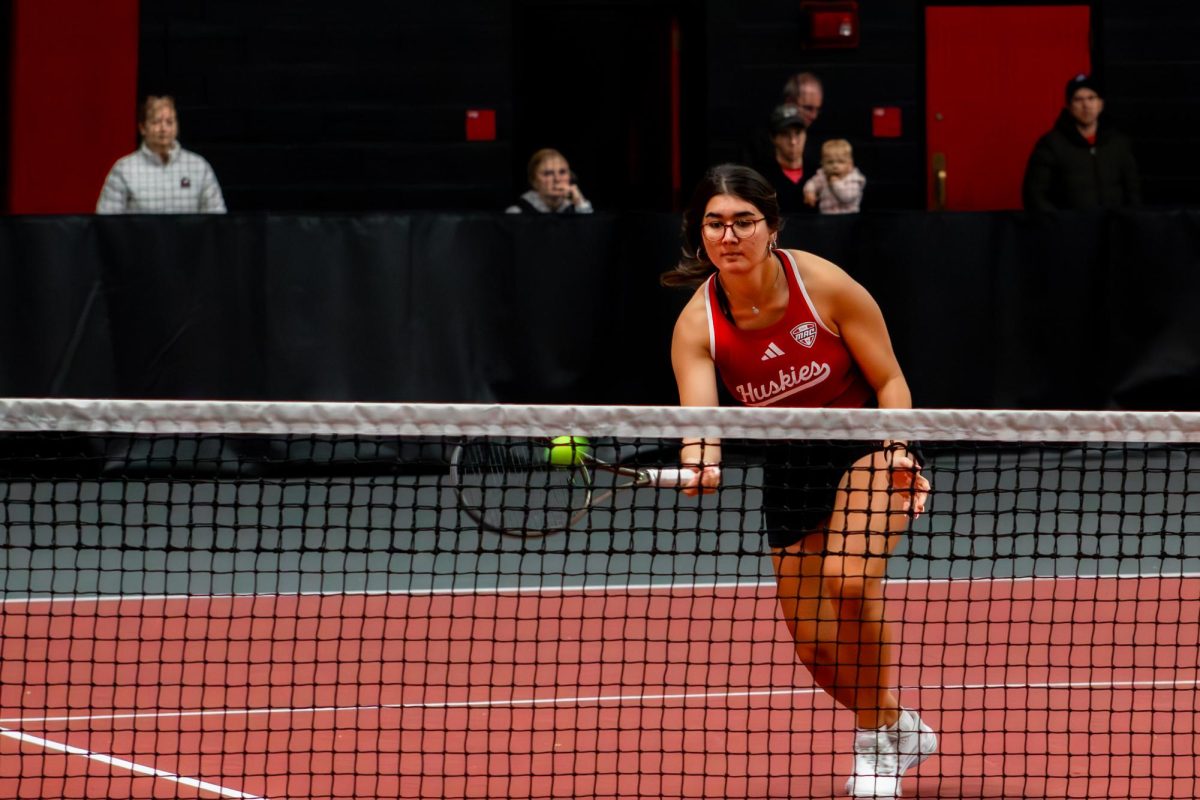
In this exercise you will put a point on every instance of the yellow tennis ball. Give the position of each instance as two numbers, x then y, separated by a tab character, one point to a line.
568	451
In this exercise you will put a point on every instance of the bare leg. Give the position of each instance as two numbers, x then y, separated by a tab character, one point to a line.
831	594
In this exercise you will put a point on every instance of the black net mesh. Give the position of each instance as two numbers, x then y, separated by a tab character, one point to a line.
458	609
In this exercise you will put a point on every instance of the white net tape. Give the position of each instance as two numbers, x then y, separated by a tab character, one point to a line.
428	419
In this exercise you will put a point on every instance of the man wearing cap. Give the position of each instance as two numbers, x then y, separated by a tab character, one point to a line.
1080	163
785	165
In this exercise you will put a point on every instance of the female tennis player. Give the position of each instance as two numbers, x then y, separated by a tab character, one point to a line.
786	328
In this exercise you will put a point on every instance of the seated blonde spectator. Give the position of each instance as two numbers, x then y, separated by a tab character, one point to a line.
837	187
553	188
160	177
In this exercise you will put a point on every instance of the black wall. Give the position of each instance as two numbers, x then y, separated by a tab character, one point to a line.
350	105
1147	54
593	80
1000	310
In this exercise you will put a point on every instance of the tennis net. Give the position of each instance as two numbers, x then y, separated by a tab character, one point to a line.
286	600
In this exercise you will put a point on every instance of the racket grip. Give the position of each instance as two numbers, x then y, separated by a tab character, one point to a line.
673	477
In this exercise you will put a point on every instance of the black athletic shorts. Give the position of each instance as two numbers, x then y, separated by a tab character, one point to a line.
800	481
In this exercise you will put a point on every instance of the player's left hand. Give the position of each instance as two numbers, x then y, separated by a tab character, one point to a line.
906	479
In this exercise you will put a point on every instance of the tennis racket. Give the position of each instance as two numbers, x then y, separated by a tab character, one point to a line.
510	486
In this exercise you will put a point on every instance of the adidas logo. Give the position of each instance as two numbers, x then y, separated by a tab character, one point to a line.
773	351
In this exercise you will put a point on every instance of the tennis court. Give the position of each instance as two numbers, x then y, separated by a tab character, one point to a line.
333	636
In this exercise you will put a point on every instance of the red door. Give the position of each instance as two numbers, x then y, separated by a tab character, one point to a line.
994	79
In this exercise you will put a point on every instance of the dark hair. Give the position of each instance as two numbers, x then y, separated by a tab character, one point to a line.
732	179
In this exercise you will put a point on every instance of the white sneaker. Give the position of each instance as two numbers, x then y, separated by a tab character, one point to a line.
915	741
882	756
876	764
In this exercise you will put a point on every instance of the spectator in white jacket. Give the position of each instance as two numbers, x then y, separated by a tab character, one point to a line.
160	177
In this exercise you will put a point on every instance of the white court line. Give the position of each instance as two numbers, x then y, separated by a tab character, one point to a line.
120	763
589	700
580	589
635	698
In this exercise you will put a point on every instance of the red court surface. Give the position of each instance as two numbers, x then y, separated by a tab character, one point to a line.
1080	688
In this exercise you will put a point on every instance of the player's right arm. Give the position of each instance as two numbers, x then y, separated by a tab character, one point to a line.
696	379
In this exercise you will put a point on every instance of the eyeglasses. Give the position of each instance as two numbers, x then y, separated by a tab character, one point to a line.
742	228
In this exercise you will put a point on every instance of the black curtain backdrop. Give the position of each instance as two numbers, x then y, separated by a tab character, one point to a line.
1001	310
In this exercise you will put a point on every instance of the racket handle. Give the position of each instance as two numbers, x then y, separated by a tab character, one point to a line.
672	477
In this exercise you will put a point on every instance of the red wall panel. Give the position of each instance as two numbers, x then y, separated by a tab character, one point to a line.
994	84
73	100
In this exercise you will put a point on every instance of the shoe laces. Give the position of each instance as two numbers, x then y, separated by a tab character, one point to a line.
876	752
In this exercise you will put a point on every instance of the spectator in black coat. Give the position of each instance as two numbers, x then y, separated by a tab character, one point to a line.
1081	163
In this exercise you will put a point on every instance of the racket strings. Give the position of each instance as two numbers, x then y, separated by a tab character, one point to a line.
510	486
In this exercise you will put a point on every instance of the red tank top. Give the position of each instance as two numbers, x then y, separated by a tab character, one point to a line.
796	362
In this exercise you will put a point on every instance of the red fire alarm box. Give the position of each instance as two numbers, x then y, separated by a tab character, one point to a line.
885	122
481	125
831	24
